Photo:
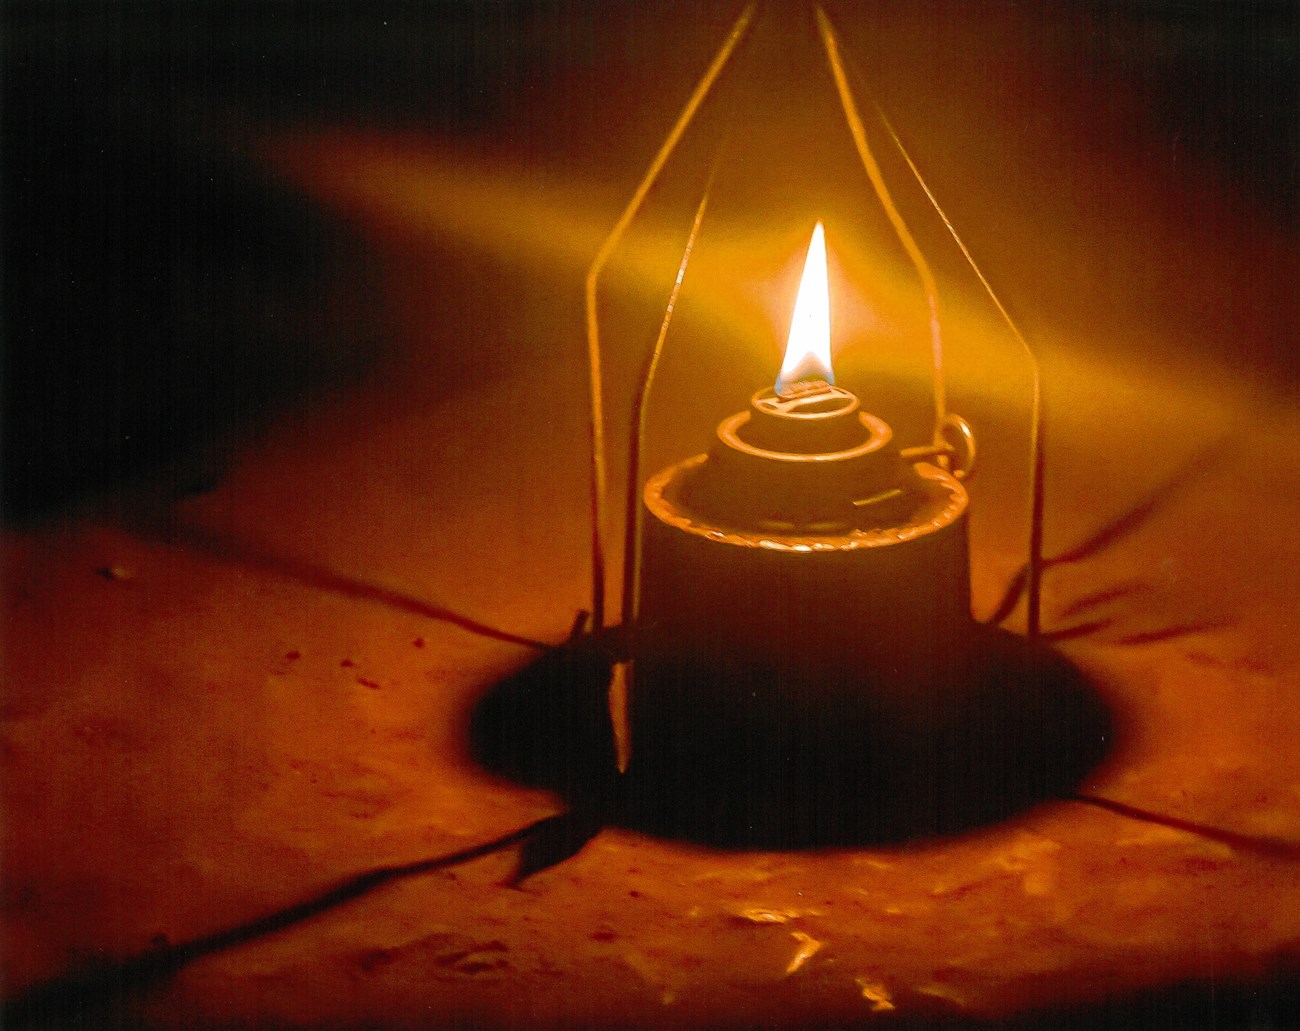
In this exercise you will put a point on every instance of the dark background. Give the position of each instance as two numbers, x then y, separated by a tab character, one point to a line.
163	297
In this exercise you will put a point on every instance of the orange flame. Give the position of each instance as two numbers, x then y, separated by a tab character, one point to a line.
808	351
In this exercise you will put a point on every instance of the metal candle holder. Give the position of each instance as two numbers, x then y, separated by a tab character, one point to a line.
805	538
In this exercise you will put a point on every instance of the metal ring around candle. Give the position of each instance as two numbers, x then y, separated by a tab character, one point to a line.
878	435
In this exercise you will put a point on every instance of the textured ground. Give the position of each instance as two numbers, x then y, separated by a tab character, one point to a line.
219	726
217	706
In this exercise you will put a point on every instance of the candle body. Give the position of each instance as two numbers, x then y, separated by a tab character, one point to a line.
887	609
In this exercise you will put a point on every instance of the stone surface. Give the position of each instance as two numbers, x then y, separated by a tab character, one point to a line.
271	690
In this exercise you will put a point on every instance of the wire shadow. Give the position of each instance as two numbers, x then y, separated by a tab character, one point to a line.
1115	529
56	1002
227	549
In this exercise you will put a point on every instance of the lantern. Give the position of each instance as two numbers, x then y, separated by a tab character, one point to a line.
796	664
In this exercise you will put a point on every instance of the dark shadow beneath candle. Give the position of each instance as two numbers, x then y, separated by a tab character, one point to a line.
751	756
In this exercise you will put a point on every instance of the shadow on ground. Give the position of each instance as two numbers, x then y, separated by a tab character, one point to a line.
753	757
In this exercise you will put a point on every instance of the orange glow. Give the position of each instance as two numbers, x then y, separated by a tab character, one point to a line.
808	351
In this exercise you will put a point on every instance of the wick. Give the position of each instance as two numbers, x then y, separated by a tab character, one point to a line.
801	388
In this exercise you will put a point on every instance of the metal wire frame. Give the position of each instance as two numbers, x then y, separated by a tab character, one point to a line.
1034	568
839	73
598	476
637	431
859	135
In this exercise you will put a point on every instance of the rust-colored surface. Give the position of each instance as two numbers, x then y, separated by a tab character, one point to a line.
208	738
267	690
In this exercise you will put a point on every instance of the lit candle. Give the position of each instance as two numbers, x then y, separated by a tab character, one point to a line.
805	538
808	348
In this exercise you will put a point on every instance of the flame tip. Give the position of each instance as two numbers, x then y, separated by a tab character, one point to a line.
808	349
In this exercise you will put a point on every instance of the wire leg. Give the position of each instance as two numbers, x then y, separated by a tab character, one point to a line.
597	429
859	134
1034	567
619	686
